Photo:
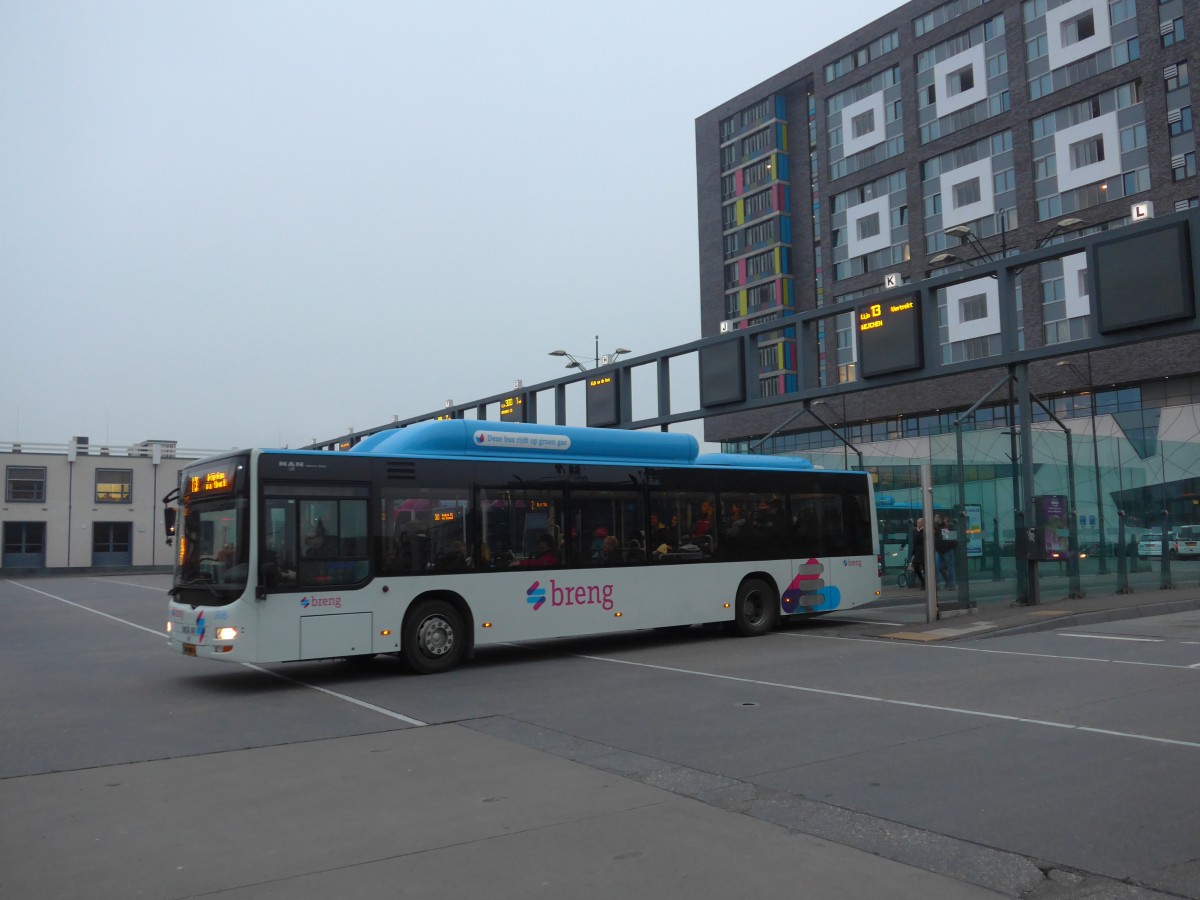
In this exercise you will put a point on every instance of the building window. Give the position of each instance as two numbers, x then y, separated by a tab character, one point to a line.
1176	76
1180	121
760	234
754	175
1087	152
1172	32
1183	166
868	226
862	124
761	295
24	539
1078	29
962	80
114	485
756	204
966	193
111	537
756	143
972	308
25	484
761	264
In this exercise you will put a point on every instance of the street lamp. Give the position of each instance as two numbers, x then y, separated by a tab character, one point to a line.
576	364
966	236
1095	455
844	438
1060	226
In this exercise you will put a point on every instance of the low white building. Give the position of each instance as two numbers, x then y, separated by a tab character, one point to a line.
82	505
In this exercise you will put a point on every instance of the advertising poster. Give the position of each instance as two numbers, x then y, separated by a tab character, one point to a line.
1052	526
974	529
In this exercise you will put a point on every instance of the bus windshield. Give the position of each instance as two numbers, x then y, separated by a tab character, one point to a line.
214	550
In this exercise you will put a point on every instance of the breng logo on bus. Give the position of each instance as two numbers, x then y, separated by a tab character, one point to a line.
570	595
308	602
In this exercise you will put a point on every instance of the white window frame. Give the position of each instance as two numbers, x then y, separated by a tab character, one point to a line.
1063	53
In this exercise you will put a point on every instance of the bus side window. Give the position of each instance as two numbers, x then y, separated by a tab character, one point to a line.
753	526
425	530
334	541
806	530
605	528
277	561
517	523
682	526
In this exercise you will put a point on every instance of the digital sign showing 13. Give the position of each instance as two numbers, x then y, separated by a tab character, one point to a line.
889	337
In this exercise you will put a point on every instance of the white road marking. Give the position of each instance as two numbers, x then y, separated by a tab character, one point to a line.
144	587
97	612
1111	637
348	699
160	634
961	649
906	703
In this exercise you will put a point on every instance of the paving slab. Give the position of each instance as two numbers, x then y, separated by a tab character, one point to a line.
423	812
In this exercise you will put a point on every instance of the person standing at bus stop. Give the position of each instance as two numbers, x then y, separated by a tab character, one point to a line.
917	557
944	545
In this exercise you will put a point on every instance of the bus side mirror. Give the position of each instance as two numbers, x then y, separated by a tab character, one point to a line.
169	515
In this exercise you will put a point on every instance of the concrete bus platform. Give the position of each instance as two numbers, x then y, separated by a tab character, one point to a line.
902	613
438	811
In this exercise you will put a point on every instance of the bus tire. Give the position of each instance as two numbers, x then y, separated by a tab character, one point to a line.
756	610
434	637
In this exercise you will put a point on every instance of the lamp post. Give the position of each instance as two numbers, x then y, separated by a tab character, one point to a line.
1095	456
1059	227
966	236
844	438
576	364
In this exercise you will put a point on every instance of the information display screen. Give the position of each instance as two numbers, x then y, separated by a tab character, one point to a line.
1143	277
722	374
512	409
604	400
214	481
889	337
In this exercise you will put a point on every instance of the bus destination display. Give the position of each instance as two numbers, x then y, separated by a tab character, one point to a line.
218	481
889	337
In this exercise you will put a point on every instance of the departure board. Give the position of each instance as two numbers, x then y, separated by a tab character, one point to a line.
889	337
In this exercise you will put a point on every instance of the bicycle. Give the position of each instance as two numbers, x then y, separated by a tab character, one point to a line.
907	577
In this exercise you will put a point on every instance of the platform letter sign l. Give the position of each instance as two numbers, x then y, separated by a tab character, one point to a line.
1142	211
891	280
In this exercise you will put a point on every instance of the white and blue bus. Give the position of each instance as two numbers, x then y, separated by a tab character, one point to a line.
430	541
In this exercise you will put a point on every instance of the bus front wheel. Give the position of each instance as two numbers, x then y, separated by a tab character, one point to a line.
434	637
756	608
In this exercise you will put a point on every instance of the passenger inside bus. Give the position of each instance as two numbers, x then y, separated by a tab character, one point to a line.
545	554
318	545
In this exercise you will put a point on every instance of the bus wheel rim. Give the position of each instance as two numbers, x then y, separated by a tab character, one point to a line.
435	636
755	607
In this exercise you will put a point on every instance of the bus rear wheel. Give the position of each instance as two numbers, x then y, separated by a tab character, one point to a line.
434	637
756	609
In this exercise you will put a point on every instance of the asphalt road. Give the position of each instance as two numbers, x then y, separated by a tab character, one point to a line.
1058	764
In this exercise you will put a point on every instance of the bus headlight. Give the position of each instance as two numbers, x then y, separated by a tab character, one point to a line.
226	634
169	628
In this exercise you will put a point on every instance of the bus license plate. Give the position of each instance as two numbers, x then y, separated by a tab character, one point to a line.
189	649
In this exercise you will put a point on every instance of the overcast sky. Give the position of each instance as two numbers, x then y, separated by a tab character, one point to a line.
259	223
